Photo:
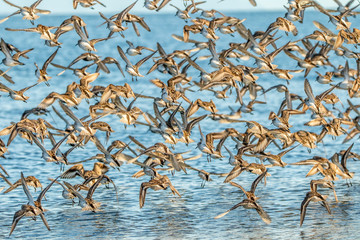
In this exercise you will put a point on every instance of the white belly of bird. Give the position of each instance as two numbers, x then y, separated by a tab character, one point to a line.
215	63
132	52
114	28
10	62
132	72
207	14
86	46
323	80
150	6
182	15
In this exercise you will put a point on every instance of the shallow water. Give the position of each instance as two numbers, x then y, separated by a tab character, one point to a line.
165	216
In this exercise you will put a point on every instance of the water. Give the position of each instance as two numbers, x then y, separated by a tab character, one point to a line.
165	216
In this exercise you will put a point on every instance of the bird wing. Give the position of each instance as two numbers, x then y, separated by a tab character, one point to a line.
11	4
257	180
26	190
264	216
123	56
37	142
234	207
5	88
70	113
6	180
72	172
121	15
6	18
139	63
80	32
236	171
57	145
304	204
35	4
143	188
173	189
345	156
17	216
42	194
308	91
93	187
5	49
49	60
27	88
76	193
42	216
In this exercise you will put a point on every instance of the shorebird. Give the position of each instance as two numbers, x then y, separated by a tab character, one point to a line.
87	203
75	20
32	208
153	4
84	43
314	103
116	25
16	95
314	196
78	170
184	14
66	193
187	126
11	60
69	97
41	74
29	180
133	19
43	30
157	183
86	3
324	79
337	20
133	51
28	13
250	201
281	24
275	160
81	126
323	183
53	155
342	164
54	42
133	70
205	146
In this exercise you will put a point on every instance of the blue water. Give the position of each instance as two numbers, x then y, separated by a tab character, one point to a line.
165	216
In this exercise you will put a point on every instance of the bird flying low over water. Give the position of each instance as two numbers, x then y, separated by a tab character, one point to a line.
250	201
32	208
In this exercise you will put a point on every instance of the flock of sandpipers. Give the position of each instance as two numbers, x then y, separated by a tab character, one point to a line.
175	115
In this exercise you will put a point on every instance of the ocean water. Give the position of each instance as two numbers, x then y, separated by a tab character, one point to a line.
165	216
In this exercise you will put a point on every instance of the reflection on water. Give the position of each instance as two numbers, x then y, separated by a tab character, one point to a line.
165	216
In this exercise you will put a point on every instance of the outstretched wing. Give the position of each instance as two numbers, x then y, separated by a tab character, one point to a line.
235	172
234	207
26	190
264	216
17	216
304	204
93	187
44	221
42	194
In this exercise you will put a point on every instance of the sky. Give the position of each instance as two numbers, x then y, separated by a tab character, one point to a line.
119	5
